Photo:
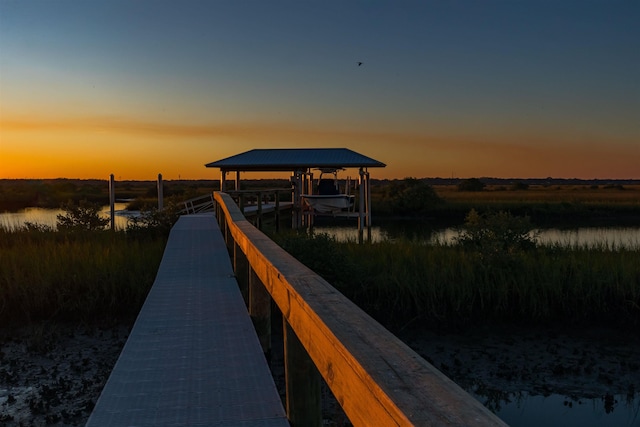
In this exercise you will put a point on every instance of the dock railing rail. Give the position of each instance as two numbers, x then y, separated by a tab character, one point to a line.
375	377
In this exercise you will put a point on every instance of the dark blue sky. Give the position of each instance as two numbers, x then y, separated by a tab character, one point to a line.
472	88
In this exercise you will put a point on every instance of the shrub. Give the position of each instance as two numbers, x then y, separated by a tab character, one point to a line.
83	217
153	221
496	233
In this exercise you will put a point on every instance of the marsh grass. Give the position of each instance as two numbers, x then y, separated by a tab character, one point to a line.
94	277
451	286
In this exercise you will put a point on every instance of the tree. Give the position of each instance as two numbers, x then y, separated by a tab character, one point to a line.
517	186
471	184
410	196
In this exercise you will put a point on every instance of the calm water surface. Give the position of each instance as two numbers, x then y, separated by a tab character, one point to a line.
524	410
619	237
49	218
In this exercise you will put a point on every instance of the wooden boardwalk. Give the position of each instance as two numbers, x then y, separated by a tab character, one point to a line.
193	357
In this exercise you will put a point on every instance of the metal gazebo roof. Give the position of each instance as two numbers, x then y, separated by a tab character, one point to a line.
292	159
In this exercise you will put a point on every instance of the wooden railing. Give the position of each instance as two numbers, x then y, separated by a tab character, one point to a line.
253	203
376	378
198	204
258	197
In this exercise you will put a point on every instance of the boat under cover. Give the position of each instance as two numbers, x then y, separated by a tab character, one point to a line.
328	203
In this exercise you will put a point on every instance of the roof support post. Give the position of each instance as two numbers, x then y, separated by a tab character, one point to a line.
223	179
296	199
307	188
237	180
364	209
368	203
361	205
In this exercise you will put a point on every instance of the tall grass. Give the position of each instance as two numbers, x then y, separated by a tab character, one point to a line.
404	282
96	276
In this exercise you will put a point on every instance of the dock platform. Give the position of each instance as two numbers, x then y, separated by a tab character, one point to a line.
193	357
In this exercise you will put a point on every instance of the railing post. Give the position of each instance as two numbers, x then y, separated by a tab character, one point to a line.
260	311
304	399
218	210
241	269
228	238
277	202
259	219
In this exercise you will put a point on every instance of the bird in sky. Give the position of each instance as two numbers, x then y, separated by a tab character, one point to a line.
359	64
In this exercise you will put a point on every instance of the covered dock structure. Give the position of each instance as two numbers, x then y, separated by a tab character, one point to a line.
301	162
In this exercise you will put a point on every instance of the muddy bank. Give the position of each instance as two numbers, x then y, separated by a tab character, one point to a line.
52	375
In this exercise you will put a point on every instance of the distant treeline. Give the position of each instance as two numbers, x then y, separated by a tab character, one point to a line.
16	194
530	181
408	197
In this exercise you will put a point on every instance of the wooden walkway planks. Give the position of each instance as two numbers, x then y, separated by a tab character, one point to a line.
193	357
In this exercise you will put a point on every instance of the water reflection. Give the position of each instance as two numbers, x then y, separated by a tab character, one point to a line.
521	409
618	237
48	217
611	237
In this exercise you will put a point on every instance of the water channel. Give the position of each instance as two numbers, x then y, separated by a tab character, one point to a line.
521	408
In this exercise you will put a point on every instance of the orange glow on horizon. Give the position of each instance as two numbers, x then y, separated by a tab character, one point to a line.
94	147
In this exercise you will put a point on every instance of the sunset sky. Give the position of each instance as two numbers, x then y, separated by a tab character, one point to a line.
509	88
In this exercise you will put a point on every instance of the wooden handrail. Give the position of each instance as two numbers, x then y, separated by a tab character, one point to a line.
376	378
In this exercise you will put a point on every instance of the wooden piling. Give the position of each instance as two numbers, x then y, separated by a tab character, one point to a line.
112	202
241	269
304	398
160	193
260	311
